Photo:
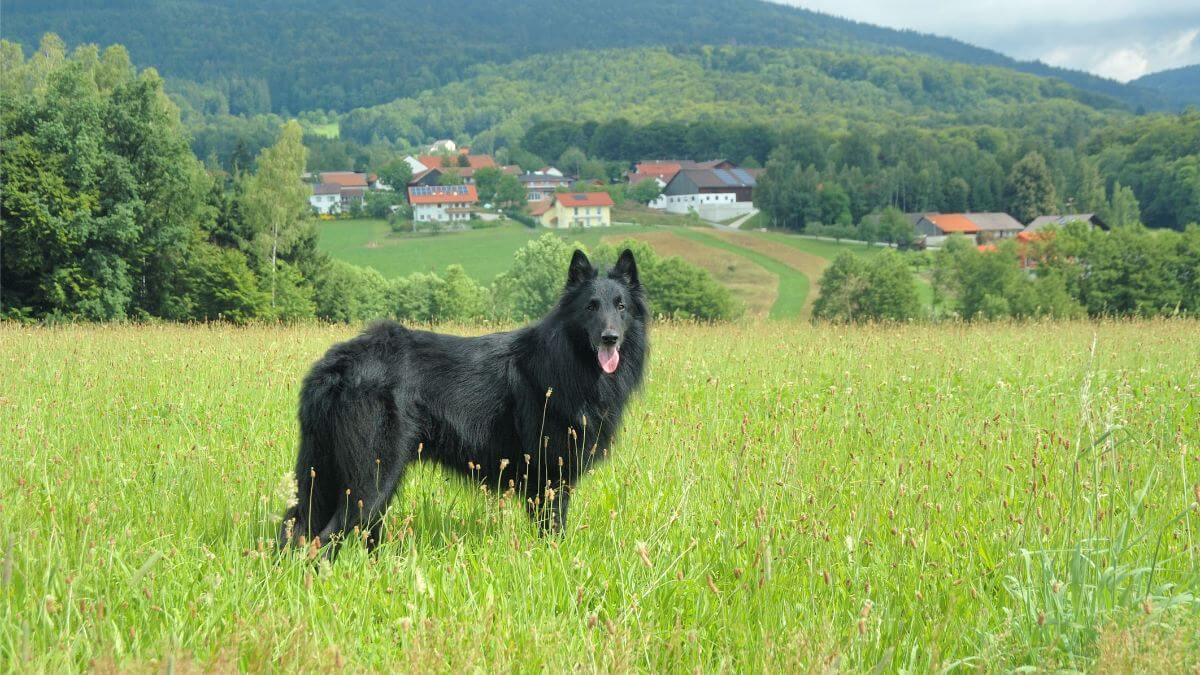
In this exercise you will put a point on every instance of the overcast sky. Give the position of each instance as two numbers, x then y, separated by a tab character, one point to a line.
1121	39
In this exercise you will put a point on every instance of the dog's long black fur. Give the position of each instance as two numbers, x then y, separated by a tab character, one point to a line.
528	410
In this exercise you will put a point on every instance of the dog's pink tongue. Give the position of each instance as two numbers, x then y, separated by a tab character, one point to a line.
609	357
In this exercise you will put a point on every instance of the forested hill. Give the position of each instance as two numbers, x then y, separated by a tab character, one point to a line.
771	86
294	55
1180	85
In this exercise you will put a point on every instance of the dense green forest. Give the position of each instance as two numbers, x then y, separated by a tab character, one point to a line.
294	55
723	83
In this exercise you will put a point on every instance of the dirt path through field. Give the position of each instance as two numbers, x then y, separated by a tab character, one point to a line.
749	283
811	266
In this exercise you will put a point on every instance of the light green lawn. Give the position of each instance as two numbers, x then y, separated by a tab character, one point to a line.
329	130
482	253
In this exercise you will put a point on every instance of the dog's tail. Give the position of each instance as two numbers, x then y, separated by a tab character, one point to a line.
317	474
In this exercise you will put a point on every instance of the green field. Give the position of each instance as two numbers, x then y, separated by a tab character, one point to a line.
488	252
328	130
482	253
782	498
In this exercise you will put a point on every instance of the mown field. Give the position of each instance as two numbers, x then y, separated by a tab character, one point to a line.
783	498
771	274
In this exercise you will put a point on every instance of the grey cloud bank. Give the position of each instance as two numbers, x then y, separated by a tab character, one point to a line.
1117	39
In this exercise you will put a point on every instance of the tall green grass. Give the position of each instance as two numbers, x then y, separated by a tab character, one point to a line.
782	498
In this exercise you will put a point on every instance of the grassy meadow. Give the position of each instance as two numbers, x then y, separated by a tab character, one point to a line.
782	498
772	274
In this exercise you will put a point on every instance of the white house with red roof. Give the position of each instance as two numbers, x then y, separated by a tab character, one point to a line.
352	188
443	203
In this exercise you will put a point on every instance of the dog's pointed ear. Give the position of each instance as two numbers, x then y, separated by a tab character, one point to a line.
581	269
626	269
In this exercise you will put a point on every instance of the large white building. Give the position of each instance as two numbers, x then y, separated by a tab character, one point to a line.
442	203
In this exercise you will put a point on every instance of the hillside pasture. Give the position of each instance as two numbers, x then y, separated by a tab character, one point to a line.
778	271
750	283
782	498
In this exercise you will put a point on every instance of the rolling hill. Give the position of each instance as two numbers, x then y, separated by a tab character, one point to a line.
774	86
1180	85
293	55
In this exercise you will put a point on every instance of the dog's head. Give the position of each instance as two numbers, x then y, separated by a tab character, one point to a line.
603	312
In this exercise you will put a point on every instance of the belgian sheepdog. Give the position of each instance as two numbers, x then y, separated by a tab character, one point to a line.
527	411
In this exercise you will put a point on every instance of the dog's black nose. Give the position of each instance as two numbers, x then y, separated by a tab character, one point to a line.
609	337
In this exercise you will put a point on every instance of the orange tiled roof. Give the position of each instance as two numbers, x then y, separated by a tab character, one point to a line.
952	223
570	199
344	178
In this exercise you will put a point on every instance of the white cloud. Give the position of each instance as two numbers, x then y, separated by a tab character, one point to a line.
1123	65
1138	57
1121	39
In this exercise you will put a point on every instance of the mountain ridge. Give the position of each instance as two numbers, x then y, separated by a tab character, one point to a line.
283	55
1180	85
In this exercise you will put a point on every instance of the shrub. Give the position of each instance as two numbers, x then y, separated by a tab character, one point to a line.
854	289
346	293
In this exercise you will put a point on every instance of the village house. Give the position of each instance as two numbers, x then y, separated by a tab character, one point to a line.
425	178
541	184
326	199
714	194
1090	219
463	164
574	209
937	227
996	225
663	170
442	203
352	187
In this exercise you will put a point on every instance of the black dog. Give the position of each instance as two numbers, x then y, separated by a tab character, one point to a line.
527	411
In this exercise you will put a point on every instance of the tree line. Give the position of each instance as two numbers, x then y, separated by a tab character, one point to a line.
1144	170
1062	273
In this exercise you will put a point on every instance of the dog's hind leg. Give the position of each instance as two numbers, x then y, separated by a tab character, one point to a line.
375	446
390	472
316	481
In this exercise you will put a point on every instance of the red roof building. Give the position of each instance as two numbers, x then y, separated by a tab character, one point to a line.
442	203
350	179
581	199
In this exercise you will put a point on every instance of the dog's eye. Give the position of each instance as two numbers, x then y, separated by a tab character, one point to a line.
621	306
593	306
